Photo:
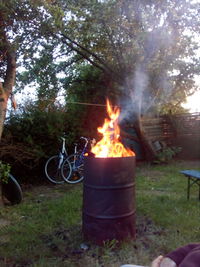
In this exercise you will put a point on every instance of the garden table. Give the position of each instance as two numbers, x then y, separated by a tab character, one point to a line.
193	178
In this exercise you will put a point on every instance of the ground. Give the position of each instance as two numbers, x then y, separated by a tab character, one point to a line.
50	219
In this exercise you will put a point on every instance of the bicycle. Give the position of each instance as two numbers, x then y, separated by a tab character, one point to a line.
54	164
76	161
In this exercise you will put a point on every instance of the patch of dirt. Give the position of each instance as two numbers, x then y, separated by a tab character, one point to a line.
66	244
192	164
1	202
38	193
145	227
3	223
153	174
4	238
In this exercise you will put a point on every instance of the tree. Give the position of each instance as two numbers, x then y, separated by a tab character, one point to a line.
20	30
145	47
131	39
7	64
86	95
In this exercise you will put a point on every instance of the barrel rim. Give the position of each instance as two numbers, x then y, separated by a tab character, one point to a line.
89	157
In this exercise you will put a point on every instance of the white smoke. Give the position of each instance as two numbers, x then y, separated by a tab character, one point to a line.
143	97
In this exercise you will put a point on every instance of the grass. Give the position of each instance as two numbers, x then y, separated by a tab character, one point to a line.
45	229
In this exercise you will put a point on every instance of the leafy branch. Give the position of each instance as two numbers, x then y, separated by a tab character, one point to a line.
4	172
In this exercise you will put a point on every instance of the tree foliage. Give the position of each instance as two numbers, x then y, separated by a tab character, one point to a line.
142	54
20	30
86	97
146	47
33	135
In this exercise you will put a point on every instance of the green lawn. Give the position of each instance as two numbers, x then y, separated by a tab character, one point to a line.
45	229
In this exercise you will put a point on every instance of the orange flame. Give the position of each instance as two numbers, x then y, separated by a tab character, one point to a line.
109	145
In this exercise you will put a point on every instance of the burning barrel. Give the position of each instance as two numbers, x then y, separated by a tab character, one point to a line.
109	187
109	199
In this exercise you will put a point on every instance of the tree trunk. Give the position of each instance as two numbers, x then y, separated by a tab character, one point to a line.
145	144
136	97
7	87
3	107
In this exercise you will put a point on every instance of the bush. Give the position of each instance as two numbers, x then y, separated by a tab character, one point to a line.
167	154
4	172
31	136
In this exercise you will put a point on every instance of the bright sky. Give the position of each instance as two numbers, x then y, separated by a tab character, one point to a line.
193	102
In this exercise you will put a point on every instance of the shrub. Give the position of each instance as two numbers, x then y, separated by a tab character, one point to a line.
4	172
167	154
31	136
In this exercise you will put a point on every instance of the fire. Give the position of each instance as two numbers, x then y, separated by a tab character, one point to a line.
109	145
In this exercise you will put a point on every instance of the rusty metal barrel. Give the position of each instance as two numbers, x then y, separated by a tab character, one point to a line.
109	199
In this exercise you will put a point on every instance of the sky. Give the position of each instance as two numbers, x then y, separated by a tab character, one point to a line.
193	102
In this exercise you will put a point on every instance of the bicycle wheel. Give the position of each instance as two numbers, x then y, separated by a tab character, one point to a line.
66	170
76	169
53	170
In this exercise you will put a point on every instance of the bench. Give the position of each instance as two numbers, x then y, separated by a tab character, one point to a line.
193	178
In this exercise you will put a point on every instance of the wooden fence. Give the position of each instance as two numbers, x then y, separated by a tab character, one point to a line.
176	130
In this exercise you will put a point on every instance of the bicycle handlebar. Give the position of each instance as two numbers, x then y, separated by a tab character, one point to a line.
85	138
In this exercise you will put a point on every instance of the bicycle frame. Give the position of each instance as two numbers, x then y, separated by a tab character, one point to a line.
63	153
79	160
54	165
